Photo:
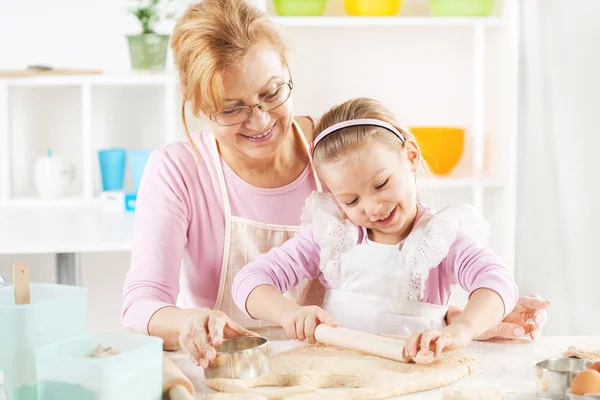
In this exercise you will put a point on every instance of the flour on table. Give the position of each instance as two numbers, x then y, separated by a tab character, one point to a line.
468	393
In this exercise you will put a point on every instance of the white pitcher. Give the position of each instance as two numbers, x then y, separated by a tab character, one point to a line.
52	176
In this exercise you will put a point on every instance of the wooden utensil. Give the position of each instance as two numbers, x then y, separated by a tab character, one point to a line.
175	384
360	341
21	283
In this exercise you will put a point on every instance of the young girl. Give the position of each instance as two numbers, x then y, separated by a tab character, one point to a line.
389	262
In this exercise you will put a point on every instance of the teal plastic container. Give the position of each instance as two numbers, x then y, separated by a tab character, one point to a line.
300	7
461	8
56	313
65	372
137	163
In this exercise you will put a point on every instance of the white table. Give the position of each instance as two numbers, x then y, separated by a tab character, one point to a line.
66	231
503	365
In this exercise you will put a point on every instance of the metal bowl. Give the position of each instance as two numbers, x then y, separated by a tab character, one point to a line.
241	357
554	376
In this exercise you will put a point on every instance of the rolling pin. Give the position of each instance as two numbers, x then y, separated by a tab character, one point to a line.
360	341
176	385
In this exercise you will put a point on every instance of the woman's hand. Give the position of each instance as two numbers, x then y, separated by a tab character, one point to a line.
300	322
205	328
423	347
526	319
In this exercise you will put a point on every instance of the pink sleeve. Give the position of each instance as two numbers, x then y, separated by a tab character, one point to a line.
159	239
473	267
283	267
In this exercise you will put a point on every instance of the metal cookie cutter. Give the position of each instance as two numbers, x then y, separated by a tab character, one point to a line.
241	357
554	376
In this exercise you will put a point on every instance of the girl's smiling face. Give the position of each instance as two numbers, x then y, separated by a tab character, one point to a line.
375	186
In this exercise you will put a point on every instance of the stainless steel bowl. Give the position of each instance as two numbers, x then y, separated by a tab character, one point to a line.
554	376
241	357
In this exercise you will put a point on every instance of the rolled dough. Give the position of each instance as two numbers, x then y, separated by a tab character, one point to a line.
300	372
587	352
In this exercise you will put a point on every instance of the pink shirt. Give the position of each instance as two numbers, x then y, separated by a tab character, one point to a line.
467	264
179	227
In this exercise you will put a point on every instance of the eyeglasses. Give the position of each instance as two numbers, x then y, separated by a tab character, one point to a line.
268	102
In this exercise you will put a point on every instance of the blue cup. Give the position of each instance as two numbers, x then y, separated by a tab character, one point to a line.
112	168
137	162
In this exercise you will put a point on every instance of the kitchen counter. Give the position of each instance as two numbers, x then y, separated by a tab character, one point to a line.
503	365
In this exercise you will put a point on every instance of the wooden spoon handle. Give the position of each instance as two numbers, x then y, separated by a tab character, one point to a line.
21	283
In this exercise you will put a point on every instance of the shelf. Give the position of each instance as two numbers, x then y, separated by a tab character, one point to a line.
461	182
34	203
29	230
105	79
345	21
60	203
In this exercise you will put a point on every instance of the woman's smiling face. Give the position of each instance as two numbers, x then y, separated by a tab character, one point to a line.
260	78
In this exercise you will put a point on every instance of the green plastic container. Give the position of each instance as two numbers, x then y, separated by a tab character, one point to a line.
56	313
64	372
461	8
300	7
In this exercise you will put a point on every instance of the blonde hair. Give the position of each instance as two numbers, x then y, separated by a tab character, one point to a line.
353	138
210	37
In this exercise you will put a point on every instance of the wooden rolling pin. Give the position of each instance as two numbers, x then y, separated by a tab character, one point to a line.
176	385
360	341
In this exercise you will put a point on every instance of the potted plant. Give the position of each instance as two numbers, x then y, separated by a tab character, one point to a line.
148	50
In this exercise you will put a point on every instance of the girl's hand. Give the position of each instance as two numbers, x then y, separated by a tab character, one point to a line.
300	322
427	345
204	329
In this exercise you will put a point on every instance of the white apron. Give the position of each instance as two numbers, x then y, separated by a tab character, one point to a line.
372	272
244	241
378	288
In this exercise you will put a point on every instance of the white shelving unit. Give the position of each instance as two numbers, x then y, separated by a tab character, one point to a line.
467	67
91	112
487	48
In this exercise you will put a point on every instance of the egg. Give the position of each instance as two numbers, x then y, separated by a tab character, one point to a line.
587	381
595	366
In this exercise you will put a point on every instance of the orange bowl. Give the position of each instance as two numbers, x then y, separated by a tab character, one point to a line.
441	147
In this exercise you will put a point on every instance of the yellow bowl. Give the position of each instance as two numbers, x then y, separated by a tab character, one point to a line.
363	8
441	147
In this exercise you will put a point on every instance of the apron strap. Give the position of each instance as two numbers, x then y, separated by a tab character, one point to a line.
227	212
310	159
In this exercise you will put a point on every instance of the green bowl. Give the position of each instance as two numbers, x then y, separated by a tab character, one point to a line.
300	7
461	8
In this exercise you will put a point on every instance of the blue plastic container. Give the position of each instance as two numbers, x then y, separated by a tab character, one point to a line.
56	313
137	163
112	168
65	372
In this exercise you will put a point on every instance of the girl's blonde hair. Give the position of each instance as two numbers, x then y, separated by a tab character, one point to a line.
210	37
352	138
